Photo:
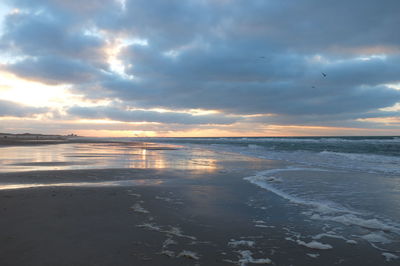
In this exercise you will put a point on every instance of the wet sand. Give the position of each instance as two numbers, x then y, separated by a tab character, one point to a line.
183	217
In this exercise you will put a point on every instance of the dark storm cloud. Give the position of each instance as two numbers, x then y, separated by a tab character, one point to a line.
239	57
118	114
8	108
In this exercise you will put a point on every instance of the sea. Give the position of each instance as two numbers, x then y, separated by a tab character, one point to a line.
366	154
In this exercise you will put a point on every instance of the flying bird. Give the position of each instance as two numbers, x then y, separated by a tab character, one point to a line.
323	74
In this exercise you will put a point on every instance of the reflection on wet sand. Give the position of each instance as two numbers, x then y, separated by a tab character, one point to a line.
102	156
136	182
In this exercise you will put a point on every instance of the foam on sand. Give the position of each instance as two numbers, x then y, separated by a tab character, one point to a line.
262	224
169	241
313	244
134	195
169	200
169	230
313	255
168	253
188	254
138	208
235	243
246	258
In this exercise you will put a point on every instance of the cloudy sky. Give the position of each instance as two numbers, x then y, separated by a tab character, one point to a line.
200	67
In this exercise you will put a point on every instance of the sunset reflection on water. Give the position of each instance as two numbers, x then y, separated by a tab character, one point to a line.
103	156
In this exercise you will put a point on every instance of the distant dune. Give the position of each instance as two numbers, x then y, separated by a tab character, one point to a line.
28	138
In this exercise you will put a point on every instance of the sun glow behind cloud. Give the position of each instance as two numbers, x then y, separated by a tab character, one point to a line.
113	51
33	93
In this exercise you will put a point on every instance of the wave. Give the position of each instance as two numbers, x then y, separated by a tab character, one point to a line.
279	139
370	163
264	180
366	154
329	211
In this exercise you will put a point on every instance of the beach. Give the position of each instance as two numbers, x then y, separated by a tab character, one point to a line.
118	204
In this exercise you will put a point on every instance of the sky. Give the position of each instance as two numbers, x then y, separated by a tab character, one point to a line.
193	68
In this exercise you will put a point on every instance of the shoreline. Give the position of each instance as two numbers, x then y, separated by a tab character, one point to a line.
84	140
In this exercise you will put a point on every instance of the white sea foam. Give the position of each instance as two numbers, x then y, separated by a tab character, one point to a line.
351	219
389	256
264	226
313	255
296	237
235	243
329	235
377	237
314	244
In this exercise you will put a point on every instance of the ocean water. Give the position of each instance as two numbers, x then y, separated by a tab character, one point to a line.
366	154
347	186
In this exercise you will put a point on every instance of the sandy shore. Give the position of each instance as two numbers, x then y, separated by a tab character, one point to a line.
165	217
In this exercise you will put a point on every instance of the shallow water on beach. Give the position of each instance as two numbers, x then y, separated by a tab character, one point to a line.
108	155
351	206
